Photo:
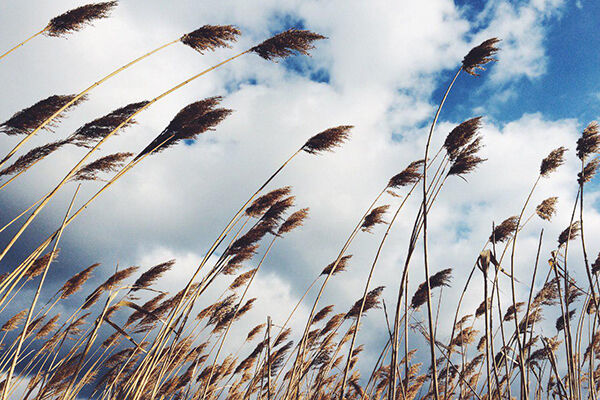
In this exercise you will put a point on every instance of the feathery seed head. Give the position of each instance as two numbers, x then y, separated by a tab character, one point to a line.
374	217
284	44
409	175
150	276
88	134
588	172
461	136
267	200
589	142
109	163
569	233
75	19
209	37
293	221
28	119
505	230
547	208
479	56
554	160
192	120
341	266
327	140
32	156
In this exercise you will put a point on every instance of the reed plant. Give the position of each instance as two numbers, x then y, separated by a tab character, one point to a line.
128	338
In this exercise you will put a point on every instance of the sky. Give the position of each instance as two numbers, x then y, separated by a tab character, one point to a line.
383	69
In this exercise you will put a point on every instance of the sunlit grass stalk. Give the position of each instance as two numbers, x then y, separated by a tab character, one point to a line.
34	302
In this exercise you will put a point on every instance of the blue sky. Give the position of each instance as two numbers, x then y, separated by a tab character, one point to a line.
568	89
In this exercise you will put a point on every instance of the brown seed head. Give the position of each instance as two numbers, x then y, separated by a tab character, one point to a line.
254	332
479	56
75	19
39	265
112	282
410	175
596	265
192	120
14	322
322	314
327	140
374	217
481	309
295	220
569	233
48	327
275	213
74	284
149	277
461	136
512	311
28	119
466	159
209	37
242	279
241	256
505	230
588	172
32	156
589	142
88	134
554	160
341	266
265	201
560	321
441	278
371	301
292	41
109	163
547	208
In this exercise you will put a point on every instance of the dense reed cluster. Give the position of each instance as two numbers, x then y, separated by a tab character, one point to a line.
128	338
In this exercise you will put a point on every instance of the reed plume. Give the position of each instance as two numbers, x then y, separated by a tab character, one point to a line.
569	233
555	159
109	163
33	156
461	136
295	220
547	208
284	44
409	176
210	37
14	322
589	142
74	284
439	279
504	230
149	277
371	301
479	56
192	120
25	121
75	19
375	217
341	266
327	140
588	171
262	203
100	127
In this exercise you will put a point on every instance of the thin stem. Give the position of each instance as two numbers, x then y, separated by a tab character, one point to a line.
24	41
